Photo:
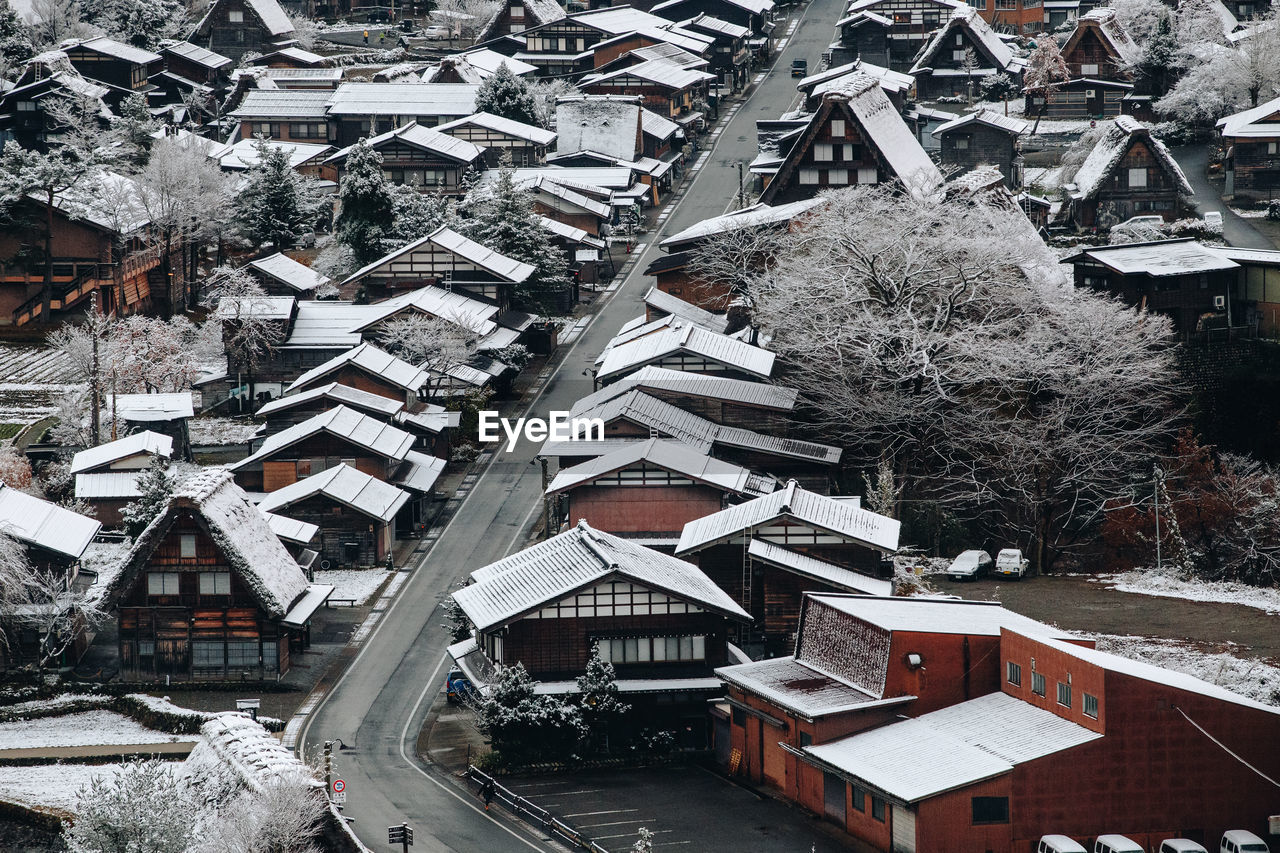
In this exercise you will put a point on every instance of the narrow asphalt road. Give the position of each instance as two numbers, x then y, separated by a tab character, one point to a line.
1237	231
378	706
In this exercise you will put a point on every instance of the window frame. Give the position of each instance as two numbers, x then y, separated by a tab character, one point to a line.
1064	690
877	808
1039	685
1013	673
988	801
1135	172
216	580
164	579
1089	701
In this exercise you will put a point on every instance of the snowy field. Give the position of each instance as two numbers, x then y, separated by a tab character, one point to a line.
219	432
1248	677
357	584
51	785
90	728
1151	582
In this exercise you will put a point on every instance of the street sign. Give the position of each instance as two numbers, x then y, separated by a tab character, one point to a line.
402	834
338	798
339	787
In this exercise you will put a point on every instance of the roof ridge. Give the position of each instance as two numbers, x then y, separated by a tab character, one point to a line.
594	544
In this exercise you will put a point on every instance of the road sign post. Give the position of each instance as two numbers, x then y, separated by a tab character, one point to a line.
338	791
402	834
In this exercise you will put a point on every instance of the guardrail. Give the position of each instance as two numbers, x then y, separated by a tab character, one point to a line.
531	813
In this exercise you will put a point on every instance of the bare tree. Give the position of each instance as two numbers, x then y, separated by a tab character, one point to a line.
145	808
38	602
434	344
249	337
1045	73
283	816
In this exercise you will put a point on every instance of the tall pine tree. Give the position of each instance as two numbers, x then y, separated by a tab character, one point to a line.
277	205
504	94
368	204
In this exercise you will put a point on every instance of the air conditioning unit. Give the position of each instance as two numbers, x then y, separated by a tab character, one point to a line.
1091	93
1220	302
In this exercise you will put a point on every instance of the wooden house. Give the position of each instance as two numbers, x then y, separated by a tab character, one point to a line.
1191	284
305	158
47	78
318	79
855	137
1252	142
289	57
284	115
1128	173
660	621
1100	57
496	137
446	259
356	513
197	64
648	490
107	475
554	200
1019	16
766	552
897	86
516	16
960	55
367	368
209	593
361	110
166	414
236	27
863	35
756	16
124	69
659	304
730	51
984	138
583	253
667	89
662	137
472	66
281	275
681	345
420	157
911	23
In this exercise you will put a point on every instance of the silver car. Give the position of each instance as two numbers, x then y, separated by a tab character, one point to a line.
969	565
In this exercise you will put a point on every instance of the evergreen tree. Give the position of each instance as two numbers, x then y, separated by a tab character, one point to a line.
504	94
598	694
416	214
503	219
523	725
156	489
277	204
15	39
368	205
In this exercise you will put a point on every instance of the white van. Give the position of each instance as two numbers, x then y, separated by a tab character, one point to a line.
1181	845
1242	841
1116	844
1059	844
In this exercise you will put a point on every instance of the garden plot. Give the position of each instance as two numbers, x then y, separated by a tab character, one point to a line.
51	785
90	728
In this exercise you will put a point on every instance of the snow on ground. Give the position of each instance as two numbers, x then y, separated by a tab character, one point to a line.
52	785
357	584
1044	179
217	432
90	728
1164	585
105	558
1249	214
1248	677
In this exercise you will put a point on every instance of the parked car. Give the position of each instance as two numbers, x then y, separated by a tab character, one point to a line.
969	564
1010	562
440	31
1059	844
1116	844
1181	845
457	687
799	68
1147	219
1242	841
1213	219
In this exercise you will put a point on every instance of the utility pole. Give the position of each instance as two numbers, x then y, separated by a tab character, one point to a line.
95	389
741	189
1156	480
328	765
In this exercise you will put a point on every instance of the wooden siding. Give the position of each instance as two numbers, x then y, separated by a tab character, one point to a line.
1117	201
975	145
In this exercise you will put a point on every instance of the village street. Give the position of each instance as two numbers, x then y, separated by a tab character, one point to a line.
377	709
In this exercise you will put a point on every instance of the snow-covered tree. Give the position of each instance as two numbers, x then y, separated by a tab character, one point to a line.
504	94
644	843
15	42
999	87
1199	22
156	488
305	31
285	816
56	21
598	696
248	338
15	470
145	808
38	608
1045	73
545	94
435	344
141	23
415	214
368	206
468	17
276	204
524	725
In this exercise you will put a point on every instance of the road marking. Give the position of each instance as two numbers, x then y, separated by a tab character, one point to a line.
616	822
630	835
589	814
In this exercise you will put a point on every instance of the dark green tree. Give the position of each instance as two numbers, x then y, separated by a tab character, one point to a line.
504	94
15	39
368	204
598	695
156	489
277	205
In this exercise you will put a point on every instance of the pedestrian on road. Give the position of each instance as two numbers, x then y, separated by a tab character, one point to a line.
486	791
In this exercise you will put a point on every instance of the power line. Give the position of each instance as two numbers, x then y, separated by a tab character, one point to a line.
1224	747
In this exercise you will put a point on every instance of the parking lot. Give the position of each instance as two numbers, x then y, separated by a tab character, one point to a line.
686	807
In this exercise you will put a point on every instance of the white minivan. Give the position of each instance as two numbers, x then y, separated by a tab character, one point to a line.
1116	844
1181	845
1059	844
1242	841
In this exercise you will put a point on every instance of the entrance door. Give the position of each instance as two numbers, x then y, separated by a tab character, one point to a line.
173	657
904	830
833	797
775	760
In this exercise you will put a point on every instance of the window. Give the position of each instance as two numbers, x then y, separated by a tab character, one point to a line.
235	16
877	808
990	810
267	128
1137	178
653	649
806	739
1089	70
822	152
931	19
739	717
1006	4
859	798
1064	694
902	17
838	131
852	152
1037	684
962	143
1013	672
867	176
517	13
808	176
207	654
187	545
215	583
309	130
1091	706
30	107
242	653
1271	146
838	176
162	583
957	56
146	648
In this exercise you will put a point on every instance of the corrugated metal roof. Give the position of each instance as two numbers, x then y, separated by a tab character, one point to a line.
403	99
790	684
344	394
197	54
722	388
826	513
378	437
1166	257
328	325
581	556
421	472
244	154
290	529
659	71
622	20
956	746
989	117
108	486
286	270
348	487
672	456
467	312
282	103
469	250
516	129
755	216
255	307
657	126
422	137
117	49
660	300
372	360
812	567
306	606
685	338
152	443
559	190
1258	121
146	408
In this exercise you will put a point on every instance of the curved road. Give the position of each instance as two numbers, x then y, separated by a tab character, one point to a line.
377	708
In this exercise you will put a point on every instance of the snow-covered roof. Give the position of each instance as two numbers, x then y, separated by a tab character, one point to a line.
372	360
536	12
755	216
116	49
953	747
669	455
608	124
237	528
425	138
558	188
342	394
109	485
304	608
480	256
345	485
797	687
244	153
151	408
1260	121
289	272
990	118
1159	258
283	104
498	124
459	308
488	61
1108	26
403	99
269	12
685	338
421	472
660	300
812	567
322	324
570	233
817	84
145	442
1110	150
966	18
290	529
292	53
197	54
257	757
661	72
38	522
622	20
717	25
279	308
720	388
375	436
937	615
657	126
886	130
835	516
107	199
581	556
